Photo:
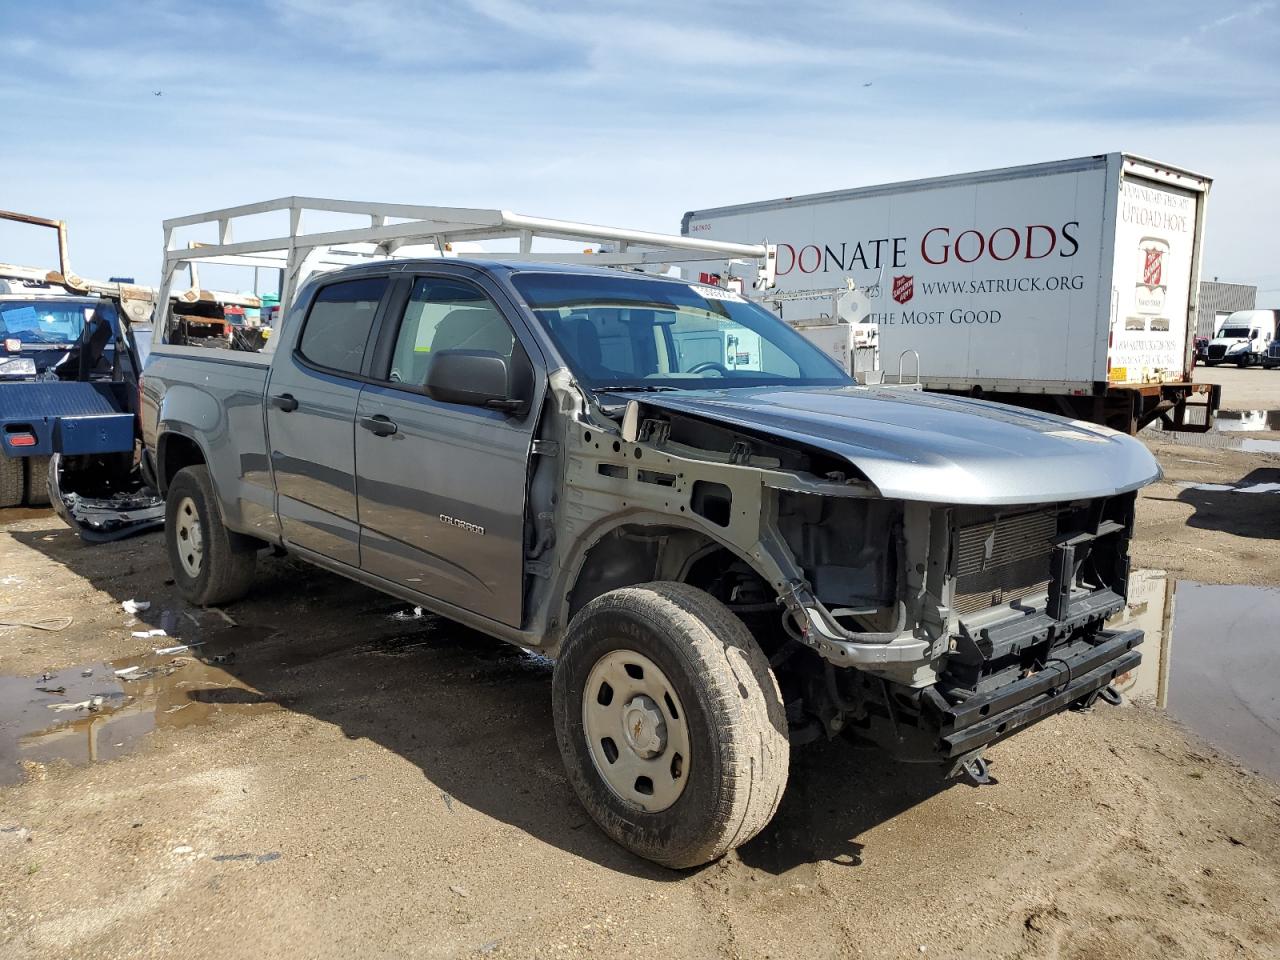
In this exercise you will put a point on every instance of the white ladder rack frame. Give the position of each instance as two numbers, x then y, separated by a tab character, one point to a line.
299	254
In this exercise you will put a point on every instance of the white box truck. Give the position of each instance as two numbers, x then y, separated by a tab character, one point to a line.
1066	286
1244	338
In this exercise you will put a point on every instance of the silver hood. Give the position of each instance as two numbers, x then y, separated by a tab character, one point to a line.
918	446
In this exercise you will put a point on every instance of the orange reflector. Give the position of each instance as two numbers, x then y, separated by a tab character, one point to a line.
21	440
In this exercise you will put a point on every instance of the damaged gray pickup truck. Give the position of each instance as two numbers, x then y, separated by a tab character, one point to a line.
728	546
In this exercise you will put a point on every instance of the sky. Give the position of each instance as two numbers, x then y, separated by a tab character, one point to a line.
120	113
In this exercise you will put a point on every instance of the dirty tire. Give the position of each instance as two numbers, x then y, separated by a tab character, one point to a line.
37	481
736	721
228	559
12	481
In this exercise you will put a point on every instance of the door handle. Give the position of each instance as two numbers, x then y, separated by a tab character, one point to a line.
286	402
379	425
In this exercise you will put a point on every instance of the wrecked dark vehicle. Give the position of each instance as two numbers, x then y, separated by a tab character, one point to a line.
728	545
69	375
72	351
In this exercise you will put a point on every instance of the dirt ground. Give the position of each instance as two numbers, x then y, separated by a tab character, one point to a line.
1215	536
1250	389
358	782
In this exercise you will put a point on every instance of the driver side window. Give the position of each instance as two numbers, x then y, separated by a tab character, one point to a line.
446	314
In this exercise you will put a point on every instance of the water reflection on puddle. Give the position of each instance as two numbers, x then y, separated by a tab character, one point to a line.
1246	421
1249	421
1264	424
81	718
1223	681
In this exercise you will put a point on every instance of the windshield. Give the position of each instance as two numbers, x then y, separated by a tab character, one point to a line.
35	321
1229	332
628	331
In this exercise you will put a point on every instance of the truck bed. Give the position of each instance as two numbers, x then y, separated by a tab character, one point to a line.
66	417
221	392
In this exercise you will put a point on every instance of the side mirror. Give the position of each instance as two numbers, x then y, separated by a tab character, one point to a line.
474	378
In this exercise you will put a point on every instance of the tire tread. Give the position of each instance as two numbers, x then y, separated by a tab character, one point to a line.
12	481
37	481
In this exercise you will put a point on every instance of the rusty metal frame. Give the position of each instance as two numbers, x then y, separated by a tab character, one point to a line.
137	301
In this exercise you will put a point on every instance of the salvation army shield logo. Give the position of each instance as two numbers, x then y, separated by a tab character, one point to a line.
904	288
1151	268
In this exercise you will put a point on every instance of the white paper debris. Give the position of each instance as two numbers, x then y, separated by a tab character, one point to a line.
144	634
93	704
135	606
180	648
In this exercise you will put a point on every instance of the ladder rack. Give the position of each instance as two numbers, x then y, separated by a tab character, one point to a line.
393	228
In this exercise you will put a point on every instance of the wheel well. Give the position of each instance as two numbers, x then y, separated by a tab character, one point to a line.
637	553
176	452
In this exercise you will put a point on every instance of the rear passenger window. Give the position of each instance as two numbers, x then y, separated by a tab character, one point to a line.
339	322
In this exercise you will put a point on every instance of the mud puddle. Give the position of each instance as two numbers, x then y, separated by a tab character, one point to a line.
1263	427
98	711
14	514
1211	657
1246	421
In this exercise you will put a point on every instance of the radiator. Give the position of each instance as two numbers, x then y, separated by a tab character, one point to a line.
1003	559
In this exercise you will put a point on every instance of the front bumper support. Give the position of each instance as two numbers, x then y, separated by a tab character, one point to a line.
981	720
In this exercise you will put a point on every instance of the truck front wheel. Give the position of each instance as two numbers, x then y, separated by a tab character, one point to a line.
210	563
670	723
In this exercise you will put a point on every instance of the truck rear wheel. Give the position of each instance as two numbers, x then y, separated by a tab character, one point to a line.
210	563
37	481
12	481
670	723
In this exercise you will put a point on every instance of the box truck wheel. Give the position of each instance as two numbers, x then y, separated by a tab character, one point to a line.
210	563
670	723
37	481
12	481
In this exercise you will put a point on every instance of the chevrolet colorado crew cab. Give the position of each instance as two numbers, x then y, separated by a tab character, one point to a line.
727	544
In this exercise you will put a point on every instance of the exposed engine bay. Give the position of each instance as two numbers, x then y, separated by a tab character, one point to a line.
932	629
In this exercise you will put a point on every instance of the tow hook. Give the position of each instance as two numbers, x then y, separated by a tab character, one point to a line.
1110	694
972	768
976	771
